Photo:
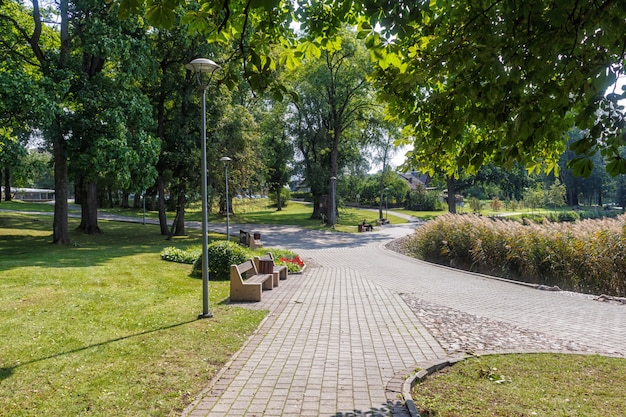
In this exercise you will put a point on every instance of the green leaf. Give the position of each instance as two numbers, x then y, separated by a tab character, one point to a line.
128	7
161	15
581	146
264	4
616	166
581	167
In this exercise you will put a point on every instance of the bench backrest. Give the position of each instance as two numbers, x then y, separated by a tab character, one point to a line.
243	268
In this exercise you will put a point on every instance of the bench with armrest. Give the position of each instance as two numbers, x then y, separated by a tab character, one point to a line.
265	264
246	283
381	222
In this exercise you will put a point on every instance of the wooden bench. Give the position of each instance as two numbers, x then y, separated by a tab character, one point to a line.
246	284
265	265
381	222
252	240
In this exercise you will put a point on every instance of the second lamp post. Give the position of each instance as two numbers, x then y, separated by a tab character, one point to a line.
226	160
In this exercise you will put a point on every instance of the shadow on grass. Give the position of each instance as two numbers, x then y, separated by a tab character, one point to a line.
26	240
7	372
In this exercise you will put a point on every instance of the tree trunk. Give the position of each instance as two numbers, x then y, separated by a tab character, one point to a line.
110	197
7	184
124	202
180	212
316	207
60	234
279	199
137	200
572	196
89	208
1	189
451	196
161	206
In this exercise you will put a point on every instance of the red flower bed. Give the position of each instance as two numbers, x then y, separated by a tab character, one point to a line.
296	260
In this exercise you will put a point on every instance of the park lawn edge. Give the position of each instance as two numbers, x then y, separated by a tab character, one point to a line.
103	326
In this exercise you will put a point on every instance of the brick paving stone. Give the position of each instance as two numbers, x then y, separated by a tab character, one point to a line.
341	338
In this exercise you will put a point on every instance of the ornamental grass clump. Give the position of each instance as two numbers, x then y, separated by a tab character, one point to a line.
586	256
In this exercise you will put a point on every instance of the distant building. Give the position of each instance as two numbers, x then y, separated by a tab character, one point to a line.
298	185
31	195
415	179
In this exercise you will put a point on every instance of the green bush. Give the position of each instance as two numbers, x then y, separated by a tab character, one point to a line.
567	216
285	196
222	254
422	200
306	196
183	256
586	256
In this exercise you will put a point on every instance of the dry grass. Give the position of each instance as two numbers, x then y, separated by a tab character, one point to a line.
585	256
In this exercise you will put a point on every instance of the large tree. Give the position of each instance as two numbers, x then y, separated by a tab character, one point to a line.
519	74
109	118
84	60
279	152
333	97
23	103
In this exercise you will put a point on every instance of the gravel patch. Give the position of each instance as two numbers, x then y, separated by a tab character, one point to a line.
463	333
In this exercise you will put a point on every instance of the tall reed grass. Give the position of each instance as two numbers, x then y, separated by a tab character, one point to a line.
585	256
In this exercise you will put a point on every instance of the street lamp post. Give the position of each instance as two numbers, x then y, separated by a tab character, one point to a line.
226	160
332	216
201	66
387	203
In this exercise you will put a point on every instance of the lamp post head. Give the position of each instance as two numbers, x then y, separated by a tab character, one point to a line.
225	159
202	65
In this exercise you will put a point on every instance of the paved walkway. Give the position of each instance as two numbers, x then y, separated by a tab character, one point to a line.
342	337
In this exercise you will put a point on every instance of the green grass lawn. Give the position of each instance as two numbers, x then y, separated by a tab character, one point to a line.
246	211
526	385
103	327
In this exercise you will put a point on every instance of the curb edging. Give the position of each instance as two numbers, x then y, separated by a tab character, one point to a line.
429	368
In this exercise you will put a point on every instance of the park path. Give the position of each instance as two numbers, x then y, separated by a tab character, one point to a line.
341	338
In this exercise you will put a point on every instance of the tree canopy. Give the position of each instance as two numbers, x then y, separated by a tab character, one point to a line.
475	80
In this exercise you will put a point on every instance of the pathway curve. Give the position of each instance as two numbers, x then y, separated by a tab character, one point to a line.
341	338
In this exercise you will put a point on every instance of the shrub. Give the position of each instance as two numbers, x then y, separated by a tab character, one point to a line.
422	200
285	196
222	254
496	204
475	204
183	256
567	216
586	256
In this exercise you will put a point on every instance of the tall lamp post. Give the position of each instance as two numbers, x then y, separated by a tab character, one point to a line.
226	160
333	202
201	66
387	203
